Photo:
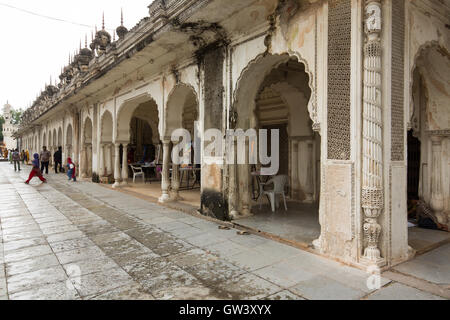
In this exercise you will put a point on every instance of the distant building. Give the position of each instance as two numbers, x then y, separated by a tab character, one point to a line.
9	128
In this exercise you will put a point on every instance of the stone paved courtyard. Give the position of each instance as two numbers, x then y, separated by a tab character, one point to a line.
65	240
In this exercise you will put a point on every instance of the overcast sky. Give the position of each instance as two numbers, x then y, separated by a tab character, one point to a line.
34	48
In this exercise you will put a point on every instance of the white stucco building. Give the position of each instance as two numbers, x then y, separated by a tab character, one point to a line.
352	85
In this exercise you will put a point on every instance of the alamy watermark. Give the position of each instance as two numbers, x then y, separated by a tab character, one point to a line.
251	145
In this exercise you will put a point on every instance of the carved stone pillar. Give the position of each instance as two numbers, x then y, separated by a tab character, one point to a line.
83	164
295	181
245	178
175	187
108	149
117	174
165	182
101	169
232	185
372	199
437	198
89	160
125	164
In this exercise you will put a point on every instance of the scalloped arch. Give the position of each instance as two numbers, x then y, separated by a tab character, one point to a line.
169	103
423	48
125	113
279	59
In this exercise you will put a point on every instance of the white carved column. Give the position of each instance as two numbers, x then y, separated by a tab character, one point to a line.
232	186
89	160
124	164
117	174
83	164
245	178
295	179
165	182
102	170
175	187
437	198
108	148
372	199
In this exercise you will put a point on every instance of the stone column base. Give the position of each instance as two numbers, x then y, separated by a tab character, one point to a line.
164	198
116	185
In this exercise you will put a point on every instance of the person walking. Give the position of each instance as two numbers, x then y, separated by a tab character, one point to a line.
45	159
35	171
16	159
23	156
57	158
27	154
71	170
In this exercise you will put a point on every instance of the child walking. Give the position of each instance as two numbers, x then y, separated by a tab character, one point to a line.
71	170
36	171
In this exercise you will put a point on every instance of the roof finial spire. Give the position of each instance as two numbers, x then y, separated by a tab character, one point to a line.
85	40
96	29
121	16
103	21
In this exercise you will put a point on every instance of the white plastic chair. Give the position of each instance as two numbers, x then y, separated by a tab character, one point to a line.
137	171
279	182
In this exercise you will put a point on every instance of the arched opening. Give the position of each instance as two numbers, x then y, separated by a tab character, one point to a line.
87	149
106	146
138	134
182	113
274	93
428	145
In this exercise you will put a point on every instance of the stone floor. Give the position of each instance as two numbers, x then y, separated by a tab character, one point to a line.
299	223
66	240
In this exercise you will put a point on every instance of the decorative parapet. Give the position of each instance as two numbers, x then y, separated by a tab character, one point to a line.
104	54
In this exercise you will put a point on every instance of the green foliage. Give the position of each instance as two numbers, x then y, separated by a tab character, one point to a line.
16	114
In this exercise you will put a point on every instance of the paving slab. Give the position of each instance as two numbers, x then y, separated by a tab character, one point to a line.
31	264
323	288
100	282
284	295
398	291
34	279
85	253
26	253
71	244
132	291
63	290
23	243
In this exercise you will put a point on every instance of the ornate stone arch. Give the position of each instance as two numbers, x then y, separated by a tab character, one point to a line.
424	47
104	134
175	105
125	113
87	120
259	68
